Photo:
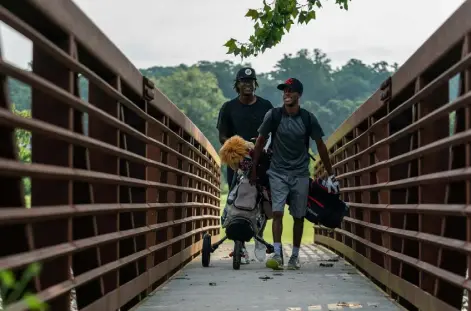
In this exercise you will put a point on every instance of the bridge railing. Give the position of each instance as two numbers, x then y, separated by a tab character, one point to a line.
403	159
123	185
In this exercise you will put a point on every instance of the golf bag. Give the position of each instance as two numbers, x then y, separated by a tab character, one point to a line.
242	211
324	208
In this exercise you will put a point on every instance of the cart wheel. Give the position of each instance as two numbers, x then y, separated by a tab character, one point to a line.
236	255
206	251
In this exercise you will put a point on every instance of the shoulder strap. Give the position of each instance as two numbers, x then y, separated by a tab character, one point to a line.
306	117
276	115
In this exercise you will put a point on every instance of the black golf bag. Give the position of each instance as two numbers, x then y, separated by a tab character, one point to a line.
324	208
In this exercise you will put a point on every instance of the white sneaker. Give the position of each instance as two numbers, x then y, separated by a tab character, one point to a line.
245	259
260	251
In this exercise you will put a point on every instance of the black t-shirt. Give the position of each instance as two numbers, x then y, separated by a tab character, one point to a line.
236	118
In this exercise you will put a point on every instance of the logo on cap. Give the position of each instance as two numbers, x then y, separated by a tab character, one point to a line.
248	72
289	81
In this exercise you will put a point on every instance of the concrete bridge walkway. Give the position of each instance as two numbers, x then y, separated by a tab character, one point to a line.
324	282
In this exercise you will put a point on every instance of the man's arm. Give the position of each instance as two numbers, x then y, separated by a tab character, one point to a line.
257	151
223	124
269	107
324	155
264	130
316	134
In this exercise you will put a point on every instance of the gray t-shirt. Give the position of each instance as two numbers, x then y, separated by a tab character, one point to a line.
290	156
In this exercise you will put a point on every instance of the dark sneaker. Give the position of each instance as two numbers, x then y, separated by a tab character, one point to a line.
293	263
275	262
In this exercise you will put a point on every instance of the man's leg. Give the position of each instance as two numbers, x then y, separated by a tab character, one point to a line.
279	192
298	205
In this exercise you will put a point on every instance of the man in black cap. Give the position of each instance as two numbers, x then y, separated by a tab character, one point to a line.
291	129
242	116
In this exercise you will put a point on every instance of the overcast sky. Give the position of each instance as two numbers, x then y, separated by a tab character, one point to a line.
171	32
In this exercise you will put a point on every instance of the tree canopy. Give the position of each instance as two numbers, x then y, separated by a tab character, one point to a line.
273	21
197	94
200	89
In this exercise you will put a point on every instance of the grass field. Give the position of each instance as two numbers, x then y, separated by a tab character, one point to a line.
287	237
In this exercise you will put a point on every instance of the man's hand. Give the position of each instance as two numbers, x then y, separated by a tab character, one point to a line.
332	185
324	155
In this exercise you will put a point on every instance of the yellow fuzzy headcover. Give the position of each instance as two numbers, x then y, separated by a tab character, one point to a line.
234	150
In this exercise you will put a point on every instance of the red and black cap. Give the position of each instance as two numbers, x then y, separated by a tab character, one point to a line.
246	73
294	84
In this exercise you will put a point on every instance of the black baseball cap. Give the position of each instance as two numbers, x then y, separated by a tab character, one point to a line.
246	73
293	84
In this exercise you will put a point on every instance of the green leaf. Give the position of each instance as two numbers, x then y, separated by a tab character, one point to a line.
305	17
273	21
230	43
260	32
310	16
33	269
343	4
7	278
243	51
266	7
302	17
288	25
278	19
34	303
266	17
252	13
236	51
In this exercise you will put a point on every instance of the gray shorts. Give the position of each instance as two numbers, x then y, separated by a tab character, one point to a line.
284	186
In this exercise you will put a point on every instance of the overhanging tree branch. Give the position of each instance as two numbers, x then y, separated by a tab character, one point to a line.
273	21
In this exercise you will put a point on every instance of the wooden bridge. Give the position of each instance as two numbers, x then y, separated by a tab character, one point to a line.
124	185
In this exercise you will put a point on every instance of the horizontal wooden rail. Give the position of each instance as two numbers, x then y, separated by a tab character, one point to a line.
123	186
403	160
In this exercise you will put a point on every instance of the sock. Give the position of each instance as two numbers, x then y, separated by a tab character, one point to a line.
277	247
295	251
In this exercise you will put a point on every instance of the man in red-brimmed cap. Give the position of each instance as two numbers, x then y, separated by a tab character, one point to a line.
291	129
